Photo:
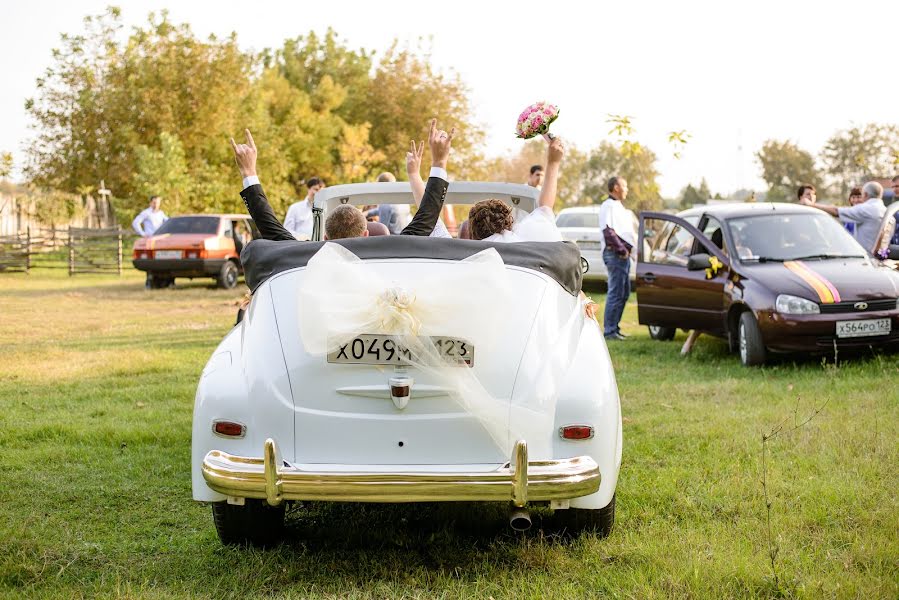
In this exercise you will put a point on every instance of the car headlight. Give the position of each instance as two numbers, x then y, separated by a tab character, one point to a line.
794	305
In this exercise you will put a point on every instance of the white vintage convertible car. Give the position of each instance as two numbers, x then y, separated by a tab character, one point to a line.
409	369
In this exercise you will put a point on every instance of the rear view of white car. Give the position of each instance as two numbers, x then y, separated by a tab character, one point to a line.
409	369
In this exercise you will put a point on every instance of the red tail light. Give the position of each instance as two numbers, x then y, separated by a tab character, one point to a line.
229	429
576	432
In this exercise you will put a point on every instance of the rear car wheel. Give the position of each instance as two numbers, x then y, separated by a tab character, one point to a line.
227	277
749	339
255	523
663	334
157	282
575	521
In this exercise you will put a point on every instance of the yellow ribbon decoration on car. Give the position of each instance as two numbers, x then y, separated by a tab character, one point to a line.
715	265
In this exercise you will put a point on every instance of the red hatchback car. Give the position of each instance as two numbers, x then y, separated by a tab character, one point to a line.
195	246
767	277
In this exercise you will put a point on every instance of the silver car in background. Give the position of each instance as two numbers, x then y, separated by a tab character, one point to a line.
580	225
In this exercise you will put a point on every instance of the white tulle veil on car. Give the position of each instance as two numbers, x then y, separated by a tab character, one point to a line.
341	297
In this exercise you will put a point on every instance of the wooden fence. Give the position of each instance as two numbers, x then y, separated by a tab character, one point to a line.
76	249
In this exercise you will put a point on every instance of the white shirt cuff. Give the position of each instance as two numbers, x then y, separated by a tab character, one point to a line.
251	180
439	172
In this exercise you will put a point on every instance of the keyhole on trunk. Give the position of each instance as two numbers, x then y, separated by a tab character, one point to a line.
401	444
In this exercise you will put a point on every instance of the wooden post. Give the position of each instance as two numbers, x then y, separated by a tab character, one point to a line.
71	254
105	194
120	253
28	249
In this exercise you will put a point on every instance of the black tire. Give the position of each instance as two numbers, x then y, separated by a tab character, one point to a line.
255	523
227	277
749	341
576	521
158	282
663	334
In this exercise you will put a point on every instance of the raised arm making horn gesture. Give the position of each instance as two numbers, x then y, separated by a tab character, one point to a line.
253	196
439	141
271	229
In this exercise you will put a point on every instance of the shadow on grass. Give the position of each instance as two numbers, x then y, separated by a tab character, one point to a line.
339	547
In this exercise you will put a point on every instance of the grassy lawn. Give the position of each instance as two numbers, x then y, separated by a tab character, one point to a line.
97	378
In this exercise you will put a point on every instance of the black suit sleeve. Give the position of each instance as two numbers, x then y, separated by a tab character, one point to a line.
263	215
429	210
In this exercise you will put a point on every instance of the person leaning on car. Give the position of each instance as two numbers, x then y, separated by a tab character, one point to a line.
345	221
866	215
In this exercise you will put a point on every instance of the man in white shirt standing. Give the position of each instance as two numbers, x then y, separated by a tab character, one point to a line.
618	240
866	216
299	216
149	220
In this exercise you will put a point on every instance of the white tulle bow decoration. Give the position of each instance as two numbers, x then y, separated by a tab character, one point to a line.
395	306
341	297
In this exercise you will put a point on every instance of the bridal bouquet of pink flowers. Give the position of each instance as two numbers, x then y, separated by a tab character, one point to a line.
536	119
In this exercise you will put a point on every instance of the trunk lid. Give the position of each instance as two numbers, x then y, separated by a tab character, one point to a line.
343	413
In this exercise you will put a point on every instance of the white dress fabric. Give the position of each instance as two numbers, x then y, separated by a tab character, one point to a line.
341	297
537	226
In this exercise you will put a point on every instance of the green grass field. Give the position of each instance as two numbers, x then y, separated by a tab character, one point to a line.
97	379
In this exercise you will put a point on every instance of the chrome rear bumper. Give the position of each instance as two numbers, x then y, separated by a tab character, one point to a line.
518	481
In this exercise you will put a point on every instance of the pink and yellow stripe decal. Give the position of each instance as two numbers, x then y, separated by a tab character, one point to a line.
826	291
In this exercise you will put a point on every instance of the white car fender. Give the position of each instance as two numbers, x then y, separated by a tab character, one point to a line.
589	396
245	381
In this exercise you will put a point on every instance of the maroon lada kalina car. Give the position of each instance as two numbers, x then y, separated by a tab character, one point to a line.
768	277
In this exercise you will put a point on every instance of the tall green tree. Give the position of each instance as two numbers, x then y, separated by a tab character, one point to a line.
103	100
635	162
305	61
853	156
786	166
6	165
405	92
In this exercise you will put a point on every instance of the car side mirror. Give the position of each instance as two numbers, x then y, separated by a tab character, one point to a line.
585	266
698	262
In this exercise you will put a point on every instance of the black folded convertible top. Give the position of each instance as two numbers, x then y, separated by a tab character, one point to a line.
560	260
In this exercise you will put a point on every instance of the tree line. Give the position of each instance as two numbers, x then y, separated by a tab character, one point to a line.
150	113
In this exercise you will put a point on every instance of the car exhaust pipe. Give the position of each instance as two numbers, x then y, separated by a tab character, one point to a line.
520	519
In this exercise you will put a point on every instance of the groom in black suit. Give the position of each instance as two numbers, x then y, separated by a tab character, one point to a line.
422	224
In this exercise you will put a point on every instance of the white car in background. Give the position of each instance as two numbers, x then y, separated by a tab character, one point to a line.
580	225
519	404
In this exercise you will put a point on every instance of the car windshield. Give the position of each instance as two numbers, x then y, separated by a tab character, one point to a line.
189	225
578	220
781	237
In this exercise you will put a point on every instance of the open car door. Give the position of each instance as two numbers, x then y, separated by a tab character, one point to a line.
886	245
680	275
